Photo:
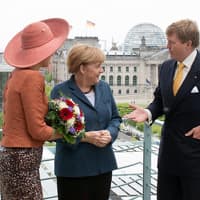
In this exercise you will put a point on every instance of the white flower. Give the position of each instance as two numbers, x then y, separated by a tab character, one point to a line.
76	110
71	121
82	119
62	105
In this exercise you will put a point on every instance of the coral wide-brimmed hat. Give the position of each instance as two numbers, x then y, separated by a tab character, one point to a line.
36	42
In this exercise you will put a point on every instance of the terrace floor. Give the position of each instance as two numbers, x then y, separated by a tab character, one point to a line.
127	181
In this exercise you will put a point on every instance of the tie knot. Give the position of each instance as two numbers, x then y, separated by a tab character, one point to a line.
180	65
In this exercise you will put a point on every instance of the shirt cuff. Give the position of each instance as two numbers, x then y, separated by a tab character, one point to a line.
149	120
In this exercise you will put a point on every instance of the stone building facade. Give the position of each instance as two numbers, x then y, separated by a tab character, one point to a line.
131	76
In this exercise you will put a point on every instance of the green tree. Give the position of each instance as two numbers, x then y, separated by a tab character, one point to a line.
123	109
48	89
48	77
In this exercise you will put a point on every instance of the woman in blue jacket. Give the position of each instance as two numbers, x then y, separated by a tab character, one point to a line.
84	169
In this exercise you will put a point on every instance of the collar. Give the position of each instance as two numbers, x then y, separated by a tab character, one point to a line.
190	59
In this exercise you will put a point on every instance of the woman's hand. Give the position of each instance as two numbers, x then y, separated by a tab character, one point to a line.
98	138
104	139
55	135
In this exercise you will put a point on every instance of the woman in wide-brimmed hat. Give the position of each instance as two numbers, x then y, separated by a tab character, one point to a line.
25	105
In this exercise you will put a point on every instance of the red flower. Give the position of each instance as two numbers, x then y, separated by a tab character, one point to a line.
78	126
81	113
69	103
65	114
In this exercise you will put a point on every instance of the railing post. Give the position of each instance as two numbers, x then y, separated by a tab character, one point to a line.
147	163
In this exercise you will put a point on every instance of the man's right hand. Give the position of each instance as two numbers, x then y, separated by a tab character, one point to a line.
138	114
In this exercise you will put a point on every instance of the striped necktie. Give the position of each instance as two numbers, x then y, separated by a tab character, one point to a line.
178	78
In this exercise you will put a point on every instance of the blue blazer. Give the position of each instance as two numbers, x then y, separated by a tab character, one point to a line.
178	154
84	159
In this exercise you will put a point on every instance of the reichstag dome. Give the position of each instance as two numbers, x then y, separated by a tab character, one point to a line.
145	34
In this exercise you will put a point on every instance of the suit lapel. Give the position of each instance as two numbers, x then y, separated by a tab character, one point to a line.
98	95
75	91
190	81
171	80
167	83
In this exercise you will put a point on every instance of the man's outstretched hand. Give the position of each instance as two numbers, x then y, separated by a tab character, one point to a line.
138	114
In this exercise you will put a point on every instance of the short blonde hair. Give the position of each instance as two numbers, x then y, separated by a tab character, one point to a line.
83	54
185	30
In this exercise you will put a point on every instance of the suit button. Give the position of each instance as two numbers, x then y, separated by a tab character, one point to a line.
166	109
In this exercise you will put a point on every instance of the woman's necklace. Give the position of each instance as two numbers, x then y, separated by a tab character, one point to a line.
88	90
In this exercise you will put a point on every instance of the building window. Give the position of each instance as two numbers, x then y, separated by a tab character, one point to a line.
103	78
103	68
111	69
126	80
110	80
135	91
127	69
135	69
127	91
134	80
119	80
119	69
119	91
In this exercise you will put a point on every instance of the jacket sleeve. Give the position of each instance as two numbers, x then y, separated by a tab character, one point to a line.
156	106
115	121
35	106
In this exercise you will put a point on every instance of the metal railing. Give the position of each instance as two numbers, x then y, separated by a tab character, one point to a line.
143	179
147	160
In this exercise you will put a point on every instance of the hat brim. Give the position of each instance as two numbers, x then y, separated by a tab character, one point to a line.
16	56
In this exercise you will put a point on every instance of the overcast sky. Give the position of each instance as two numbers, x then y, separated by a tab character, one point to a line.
112	18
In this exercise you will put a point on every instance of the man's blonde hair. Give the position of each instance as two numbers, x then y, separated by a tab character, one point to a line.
186	30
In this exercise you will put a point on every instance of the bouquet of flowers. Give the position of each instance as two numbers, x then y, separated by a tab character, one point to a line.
67	118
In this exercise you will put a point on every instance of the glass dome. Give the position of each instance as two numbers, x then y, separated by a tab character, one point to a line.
144	34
